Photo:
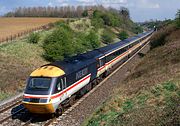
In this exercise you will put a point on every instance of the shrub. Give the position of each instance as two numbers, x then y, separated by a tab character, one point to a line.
123	35
159	39
59	44
34	37
178	19
97	23
85	13
107	36
92	40
61	24
105	18
79	43
137	29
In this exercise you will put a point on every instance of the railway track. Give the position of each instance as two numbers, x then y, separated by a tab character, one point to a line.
19	117
10	104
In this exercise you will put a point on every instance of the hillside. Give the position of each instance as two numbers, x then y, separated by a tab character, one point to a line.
150	95
17	60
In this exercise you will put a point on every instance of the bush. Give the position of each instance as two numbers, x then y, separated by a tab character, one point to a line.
123	35
34	37
107	36
85	13
137	29
159	38
92	40
178	18
79	43
97	23
59	44
64	43
105	18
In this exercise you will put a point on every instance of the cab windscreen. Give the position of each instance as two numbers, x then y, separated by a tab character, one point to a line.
39	83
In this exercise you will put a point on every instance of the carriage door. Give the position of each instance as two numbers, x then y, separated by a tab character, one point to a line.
101	63
63	83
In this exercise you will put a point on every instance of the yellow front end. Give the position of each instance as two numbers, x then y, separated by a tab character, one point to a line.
39	108
44	71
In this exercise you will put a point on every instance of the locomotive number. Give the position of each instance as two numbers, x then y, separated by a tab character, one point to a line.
81	73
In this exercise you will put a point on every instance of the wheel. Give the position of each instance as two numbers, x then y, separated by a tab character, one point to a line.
59	111
72	100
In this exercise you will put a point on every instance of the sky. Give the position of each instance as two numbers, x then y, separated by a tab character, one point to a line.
140	10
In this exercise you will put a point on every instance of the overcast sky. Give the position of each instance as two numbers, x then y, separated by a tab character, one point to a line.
140	10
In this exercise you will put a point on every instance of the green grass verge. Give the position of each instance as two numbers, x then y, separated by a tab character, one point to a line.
28	53
146	107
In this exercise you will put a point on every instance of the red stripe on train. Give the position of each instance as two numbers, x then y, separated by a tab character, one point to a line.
59	94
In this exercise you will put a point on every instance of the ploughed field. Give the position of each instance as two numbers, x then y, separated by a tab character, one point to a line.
13	26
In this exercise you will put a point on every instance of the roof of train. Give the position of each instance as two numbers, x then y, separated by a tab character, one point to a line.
111	47
77	62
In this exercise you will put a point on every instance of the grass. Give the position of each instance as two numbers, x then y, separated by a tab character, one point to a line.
26	52
11	26
82	25
17	60
4	95
136	104
150	95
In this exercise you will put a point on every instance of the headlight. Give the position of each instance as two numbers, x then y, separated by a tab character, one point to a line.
43	100
26	99
35	100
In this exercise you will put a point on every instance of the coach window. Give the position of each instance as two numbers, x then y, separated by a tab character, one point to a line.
61	84
100	63
58	86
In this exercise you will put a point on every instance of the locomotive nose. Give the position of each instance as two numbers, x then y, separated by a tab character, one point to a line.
39	108
38	105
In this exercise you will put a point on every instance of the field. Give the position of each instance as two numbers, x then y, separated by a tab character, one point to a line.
12	26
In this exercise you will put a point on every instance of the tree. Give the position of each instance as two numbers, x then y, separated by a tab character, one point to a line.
123	35
34	37
178	18
107	36
85	13
97	22
92	40
58	45
124	12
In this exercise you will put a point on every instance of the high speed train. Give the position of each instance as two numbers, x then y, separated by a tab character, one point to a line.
52	86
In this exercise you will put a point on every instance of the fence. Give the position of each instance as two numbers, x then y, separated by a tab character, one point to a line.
26	32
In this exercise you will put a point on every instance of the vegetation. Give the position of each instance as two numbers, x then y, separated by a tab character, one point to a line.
106	18
130	110
178	19
33	37
85	13
107	36
17	60
76	37
63	42
123	35
160	38
157	23
59	44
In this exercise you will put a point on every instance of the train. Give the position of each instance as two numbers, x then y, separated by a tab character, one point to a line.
55	85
